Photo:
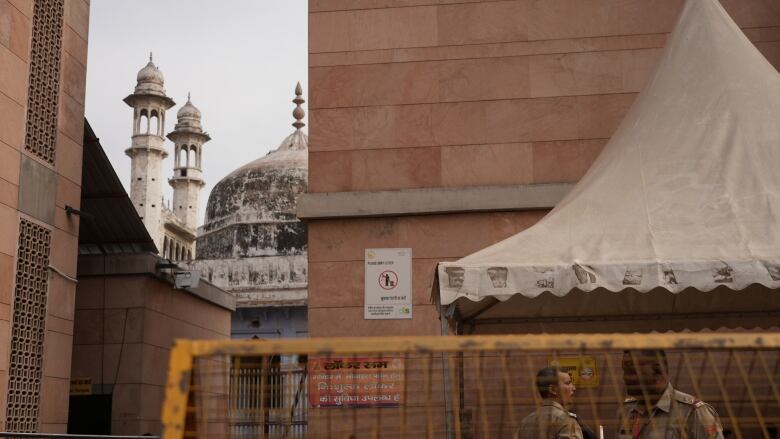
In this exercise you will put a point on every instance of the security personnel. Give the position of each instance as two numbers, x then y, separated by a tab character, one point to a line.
655	410
552	420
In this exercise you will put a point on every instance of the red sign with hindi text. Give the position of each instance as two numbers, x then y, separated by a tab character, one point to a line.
356	382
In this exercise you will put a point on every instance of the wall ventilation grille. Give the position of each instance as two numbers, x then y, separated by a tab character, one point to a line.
44	85
27	332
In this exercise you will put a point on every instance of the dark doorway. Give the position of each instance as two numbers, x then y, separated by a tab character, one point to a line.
90	414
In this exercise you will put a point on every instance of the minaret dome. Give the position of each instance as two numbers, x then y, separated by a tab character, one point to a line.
150	80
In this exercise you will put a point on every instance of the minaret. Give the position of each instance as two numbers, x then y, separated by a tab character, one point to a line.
147	150
188	138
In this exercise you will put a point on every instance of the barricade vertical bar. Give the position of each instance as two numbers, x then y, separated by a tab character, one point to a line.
177	390
508	388
770	377
404	397
226	385
623	420
751	394
354	412
532	385
449	393
328	411
454	396
428	367
726	399
381	357
375	431
482	404
591	398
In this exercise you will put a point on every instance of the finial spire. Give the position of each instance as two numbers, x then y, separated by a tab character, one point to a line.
150	56
298	112
188	96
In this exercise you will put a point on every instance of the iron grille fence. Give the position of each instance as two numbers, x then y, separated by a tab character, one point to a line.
460	387
267	398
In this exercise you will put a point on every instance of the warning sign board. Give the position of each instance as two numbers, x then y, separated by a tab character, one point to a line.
81	386
583	370
388	283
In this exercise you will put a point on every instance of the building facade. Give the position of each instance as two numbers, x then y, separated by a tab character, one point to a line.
253	245
445	128
171	226
129	310
43	58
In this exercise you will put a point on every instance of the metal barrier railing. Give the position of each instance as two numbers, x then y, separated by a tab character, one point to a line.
476	386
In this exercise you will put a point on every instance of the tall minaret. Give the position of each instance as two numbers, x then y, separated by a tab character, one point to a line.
147	150
188	138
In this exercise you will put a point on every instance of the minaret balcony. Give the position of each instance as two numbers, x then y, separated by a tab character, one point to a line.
151	141
190	173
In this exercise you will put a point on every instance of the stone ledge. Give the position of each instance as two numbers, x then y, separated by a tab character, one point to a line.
430	201
145	264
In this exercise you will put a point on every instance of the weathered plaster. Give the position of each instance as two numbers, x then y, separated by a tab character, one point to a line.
252	244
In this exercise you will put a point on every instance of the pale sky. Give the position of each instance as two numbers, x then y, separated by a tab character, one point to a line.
240	59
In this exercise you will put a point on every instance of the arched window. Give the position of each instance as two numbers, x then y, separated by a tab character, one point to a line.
143	121
154	119
195	156
181	160
165	247
189	255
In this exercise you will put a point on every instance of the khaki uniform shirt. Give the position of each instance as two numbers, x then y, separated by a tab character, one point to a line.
550	421
676	415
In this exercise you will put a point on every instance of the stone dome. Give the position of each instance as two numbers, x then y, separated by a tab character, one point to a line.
262	190
150	80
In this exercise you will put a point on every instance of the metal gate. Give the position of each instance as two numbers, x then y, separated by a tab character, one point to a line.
267	397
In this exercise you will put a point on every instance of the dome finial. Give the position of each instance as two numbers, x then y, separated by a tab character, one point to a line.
298	112
188	97
150	56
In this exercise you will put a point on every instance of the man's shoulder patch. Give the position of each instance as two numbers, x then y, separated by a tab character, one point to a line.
628	400
685	398
573	415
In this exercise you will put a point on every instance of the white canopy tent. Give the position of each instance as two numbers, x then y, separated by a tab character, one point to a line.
677	218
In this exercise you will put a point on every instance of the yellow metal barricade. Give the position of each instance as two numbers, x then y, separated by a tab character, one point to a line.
455	387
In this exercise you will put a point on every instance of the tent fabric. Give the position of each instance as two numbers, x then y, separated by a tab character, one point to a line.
685	195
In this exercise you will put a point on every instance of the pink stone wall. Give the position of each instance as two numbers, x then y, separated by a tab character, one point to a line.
418	93
125	326
15	36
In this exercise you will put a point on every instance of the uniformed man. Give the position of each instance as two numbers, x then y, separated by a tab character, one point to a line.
552	420
655	410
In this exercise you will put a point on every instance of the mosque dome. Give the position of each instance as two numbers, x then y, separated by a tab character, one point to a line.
260	197
150	79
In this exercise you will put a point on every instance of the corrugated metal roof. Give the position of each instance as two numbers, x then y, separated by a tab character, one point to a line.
115	226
